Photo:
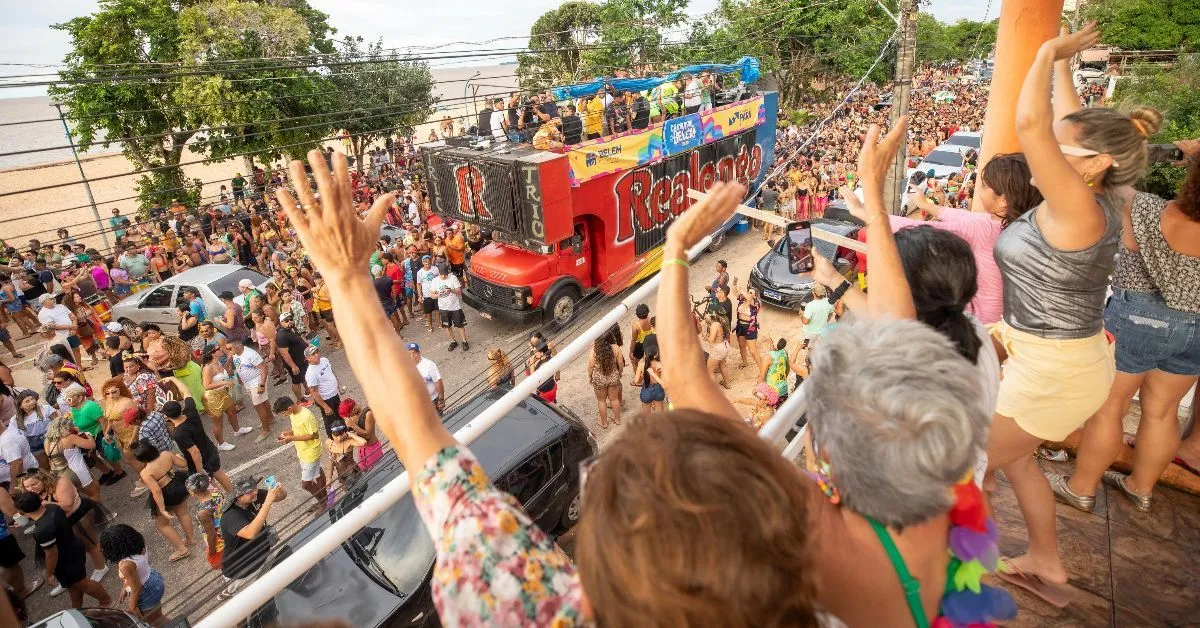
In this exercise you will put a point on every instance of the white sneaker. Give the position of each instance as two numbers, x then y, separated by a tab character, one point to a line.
245	430
99	574
57	590
226	446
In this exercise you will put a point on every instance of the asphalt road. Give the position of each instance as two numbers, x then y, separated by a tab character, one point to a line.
190	582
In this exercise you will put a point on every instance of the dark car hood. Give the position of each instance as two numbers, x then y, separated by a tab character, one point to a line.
776	275
338	586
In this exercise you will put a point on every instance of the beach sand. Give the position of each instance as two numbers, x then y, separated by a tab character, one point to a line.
20	214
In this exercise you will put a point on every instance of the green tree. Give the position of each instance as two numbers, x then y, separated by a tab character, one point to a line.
384	96
1148	24
255	93
560	33
1176	93
635	34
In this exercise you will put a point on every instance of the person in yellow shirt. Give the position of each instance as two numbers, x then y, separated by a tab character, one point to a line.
591	109
323	308
306	436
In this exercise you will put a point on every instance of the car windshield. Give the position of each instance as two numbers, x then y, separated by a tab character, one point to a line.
943	158
230	282
964	140
400	545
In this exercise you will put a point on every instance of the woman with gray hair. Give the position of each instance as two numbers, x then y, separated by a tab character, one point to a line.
896	419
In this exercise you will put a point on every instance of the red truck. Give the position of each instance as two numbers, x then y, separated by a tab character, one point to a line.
589	217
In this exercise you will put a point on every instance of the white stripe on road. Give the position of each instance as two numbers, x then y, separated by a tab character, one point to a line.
266	456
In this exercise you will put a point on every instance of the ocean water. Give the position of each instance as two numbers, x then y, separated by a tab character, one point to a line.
450	83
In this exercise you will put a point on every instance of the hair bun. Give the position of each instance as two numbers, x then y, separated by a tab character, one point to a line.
1147	120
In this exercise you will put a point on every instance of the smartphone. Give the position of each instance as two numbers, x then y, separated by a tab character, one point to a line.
270	482
799	243
1163	152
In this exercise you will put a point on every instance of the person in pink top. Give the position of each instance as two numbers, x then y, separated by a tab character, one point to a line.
1004	194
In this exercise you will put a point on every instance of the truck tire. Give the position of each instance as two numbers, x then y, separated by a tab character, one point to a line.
560	307
717	241
571	513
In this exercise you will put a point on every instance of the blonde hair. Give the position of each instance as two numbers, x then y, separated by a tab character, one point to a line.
1123	136
818	290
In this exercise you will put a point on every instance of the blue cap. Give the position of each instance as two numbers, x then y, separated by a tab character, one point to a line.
412	346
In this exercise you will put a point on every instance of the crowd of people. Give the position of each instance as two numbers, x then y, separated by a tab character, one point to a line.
908	417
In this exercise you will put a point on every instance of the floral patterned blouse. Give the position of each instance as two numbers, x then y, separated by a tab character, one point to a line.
494	566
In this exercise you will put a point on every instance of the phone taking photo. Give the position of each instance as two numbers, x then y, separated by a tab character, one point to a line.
270	482
799	247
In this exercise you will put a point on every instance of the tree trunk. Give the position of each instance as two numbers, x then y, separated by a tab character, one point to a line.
248	161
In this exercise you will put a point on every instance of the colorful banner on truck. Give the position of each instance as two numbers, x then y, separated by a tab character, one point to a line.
682	134
733	119
619	153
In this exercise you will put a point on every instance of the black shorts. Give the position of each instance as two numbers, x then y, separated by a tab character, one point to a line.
454	318
298	376
74	341
10	553
239	195
458	269
327	316
429	305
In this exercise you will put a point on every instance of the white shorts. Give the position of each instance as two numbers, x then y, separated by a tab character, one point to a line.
310	471
256	397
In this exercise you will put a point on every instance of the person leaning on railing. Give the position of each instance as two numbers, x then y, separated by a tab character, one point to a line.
896	420
655	546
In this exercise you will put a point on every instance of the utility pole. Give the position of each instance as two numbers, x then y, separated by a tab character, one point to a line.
906	58
86	186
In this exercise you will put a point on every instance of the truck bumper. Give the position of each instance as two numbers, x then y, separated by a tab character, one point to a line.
506	314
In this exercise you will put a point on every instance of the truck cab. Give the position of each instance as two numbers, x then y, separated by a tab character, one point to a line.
588	217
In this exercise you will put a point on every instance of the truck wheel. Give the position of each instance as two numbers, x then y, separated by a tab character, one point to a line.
717	241
560	308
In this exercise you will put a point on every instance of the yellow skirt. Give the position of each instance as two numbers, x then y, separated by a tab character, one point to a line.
1051	387
217	401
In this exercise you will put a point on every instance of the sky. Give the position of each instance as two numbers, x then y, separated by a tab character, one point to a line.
26	36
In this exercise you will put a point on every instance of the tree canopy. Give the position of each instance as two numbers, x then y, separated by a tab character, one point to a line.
1176	93
261	79
1148	24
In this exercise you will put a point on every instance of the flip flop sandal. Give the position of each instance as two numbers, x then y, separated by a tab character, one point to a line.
177	556
1054	594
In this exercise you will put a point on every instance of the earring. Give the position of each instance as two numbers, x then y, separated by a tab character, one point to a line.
822	477
1087	178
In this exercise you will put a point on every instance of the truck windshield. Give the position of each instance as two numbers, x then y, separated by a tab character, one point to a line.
943	158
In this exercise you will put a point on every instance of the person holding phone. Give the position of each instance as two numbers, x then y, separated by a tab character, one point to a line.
244	530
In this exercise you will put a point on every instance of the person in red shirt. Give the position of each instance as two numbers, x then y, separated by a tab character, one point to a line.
392	269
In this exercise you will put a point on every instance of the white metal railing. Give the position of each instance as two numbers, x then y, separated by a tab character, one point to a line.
270	583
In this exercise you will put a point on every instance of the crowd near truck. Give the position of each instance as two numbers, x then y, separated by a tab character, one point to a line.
589	217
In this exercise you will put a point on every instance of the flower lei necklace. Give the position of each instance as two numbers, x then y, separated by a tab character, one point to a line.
966	601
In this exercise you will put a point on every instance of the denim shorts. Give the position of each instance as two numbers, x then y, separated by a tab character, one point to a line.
1150	335
152	592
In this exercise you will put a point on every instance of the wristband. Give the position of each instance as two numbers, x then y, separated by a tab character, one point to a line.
676	261
838	292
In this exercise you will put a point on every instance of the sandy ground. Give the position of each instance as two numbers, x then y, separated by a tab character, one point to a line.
21	215
192	574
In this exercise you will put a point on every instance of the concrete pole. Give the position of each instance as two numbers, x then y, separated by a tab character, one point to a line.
1024	26
906	58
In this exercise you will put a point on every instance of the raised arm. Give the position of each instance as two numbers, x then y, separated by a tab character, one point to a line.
1066	99
340	245
1071	218
683	373
889	295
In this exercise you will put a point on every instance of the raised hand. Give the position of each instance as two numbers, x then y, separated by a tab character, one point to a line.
853	205
1069	44
825	274
874	160
336	239
706	215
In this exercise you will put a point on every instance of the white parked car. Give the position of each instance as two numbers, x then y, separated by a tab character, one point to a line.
157	304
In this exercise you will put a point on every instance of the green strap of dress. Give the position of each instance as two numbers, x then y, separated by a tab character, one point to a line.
912	588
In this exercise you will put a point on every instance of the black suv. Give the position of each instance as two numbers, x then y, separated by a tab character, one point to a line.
381	576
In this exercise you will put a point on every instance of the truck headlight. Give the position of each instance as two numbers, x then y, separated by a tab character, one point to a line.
522	297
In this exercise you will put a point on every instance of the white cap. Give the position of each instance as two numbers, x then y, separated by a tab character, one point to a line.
245	283
45	297
114	327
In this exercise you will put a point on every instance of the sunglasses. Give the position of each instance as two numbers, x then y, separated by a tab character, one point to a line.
1079	151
